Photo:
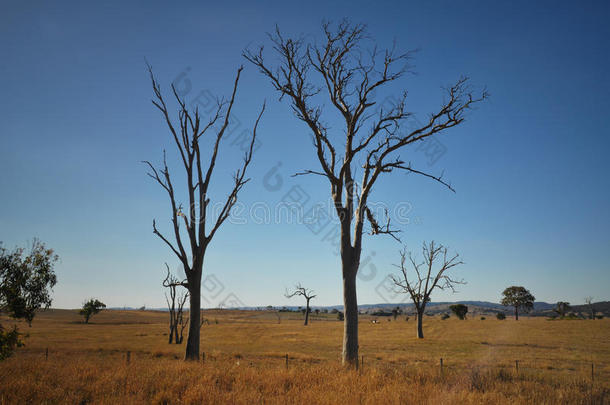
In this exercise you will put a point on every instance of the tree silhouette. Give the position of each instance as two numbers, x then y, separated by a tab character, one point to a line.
305	293
200	227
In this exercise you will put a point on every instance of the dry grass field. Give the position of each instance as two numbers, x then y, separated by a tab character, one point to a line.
245	361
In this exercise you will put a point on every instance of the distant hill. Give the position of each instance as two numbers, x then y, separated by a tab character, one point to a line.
479	307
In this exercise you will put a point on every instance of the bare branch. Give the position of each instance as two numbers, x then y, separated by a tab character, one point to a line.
376	229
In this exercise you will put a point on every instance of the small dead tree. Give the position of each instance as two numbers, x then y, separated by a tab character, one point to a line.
426	278
200	223
304	292
350	72
175	305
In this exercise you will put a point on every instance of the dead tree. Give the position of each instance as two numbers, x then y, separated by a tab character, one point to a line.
372	135
175	305
200	226
304	292
426	278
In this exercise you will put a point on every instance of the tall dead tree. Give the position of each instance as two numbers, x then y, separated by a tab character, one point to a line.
351	77
175	305
200	226
425	278
305	293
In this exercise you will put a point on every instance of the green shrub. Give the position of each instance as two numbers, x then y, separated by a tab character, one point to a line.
500	316
9	341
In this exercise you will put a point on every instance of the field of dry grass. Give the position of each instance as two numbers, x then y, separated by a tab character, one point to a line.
245	361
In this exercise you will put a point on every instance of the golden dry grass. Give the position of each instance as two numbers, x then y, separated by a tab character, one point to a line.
245	361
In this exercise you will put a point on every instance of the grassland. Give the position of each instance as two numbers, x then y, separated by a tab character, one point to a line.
245	361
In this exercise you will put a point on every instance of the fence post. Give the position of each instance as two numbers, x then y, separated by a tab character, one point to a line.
441	366
46	354
517	366
592	374
362	364
286	361
128	356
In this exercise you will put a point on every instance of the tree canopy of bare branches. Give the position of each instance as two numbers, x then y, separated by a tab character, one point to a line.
187	130
420	278
345	70
305	293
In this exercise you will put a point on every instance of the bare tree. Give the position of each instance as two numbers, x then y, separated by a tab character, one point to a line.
175	305
304	292
589	302
200	228
426	278
372	136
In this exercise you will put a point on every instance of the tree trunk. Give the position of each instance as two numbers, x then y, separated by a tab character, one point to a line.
350	323
516	313
420	319
307	313
192	343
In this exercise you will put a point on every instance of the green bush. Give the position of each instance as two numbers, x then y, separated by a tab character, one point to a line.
9	341
500	316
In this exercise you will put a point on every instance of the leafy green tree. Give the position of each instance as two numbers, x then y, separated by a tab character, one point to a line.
519	298
562	308
26	280
460	310
91	308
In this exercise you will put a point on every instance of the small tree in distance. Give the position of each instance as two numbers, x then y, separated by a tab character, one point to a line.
500	316
562	308
90	308
307	294
519	298
421	285
460	310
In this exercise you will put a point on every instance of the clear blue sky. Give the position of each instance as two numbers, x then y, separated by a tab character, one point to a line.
530	166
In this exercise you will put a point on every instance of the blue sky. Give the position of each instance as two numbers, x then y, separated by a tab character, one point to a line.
530	165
